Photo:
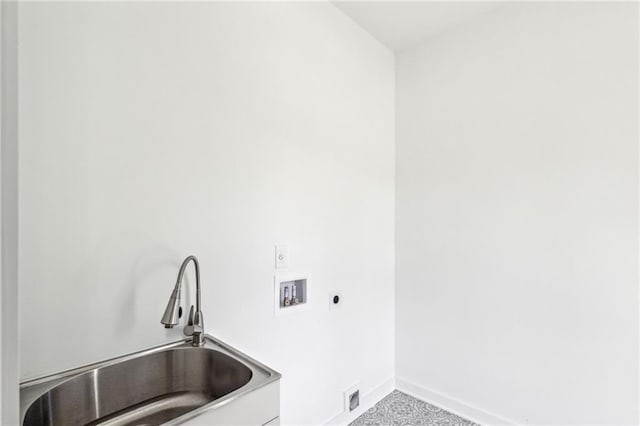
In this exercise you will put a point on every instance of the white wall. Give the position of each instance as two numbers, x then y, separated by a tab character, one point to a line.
517	215
152	131
9	213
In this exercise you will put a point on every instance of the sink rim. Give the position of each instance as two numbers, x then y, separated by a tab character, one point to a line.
32	389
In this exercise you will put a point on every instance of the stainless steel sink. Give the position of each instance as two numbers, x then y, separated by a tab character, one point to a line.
164	385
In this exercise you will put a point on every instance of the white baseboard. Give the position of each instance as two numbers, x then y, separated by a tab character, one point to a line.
366	401
452	405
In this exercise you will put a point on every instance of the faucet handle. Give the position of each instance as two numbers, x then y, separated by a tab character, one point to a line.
191	313
195	327
189	328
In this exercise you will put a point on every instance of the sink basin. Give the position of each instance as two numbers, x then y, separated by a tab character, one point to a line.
163	385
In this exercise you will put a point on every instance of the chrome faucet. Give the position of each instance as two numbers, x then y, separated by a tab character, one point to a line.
195	324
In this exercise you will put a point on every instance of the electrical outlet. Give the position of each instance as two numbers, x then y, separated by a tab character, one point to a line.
352	398
335	300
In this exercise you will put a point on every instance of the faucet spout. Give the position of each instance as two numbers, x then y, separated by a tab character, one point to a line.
195	325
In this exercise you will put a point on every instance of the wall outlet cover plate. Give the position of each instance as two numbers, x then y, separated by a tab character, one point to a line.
282	256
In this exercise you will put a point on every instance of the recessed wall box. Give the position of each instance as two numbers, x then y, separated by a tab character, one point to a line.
291	293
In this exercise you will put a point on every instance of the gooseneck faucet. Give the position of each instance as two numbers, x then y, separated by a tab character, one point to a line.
173	312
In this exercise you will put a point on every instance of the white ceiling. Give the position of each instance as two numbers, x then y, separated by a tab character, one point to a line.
402	24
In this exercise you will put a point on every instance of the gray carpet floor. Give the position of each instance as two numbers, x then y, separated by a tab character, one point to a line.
400	409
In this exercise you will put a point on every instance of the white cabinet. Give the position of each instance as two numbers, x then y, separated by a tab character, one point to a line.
257	408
